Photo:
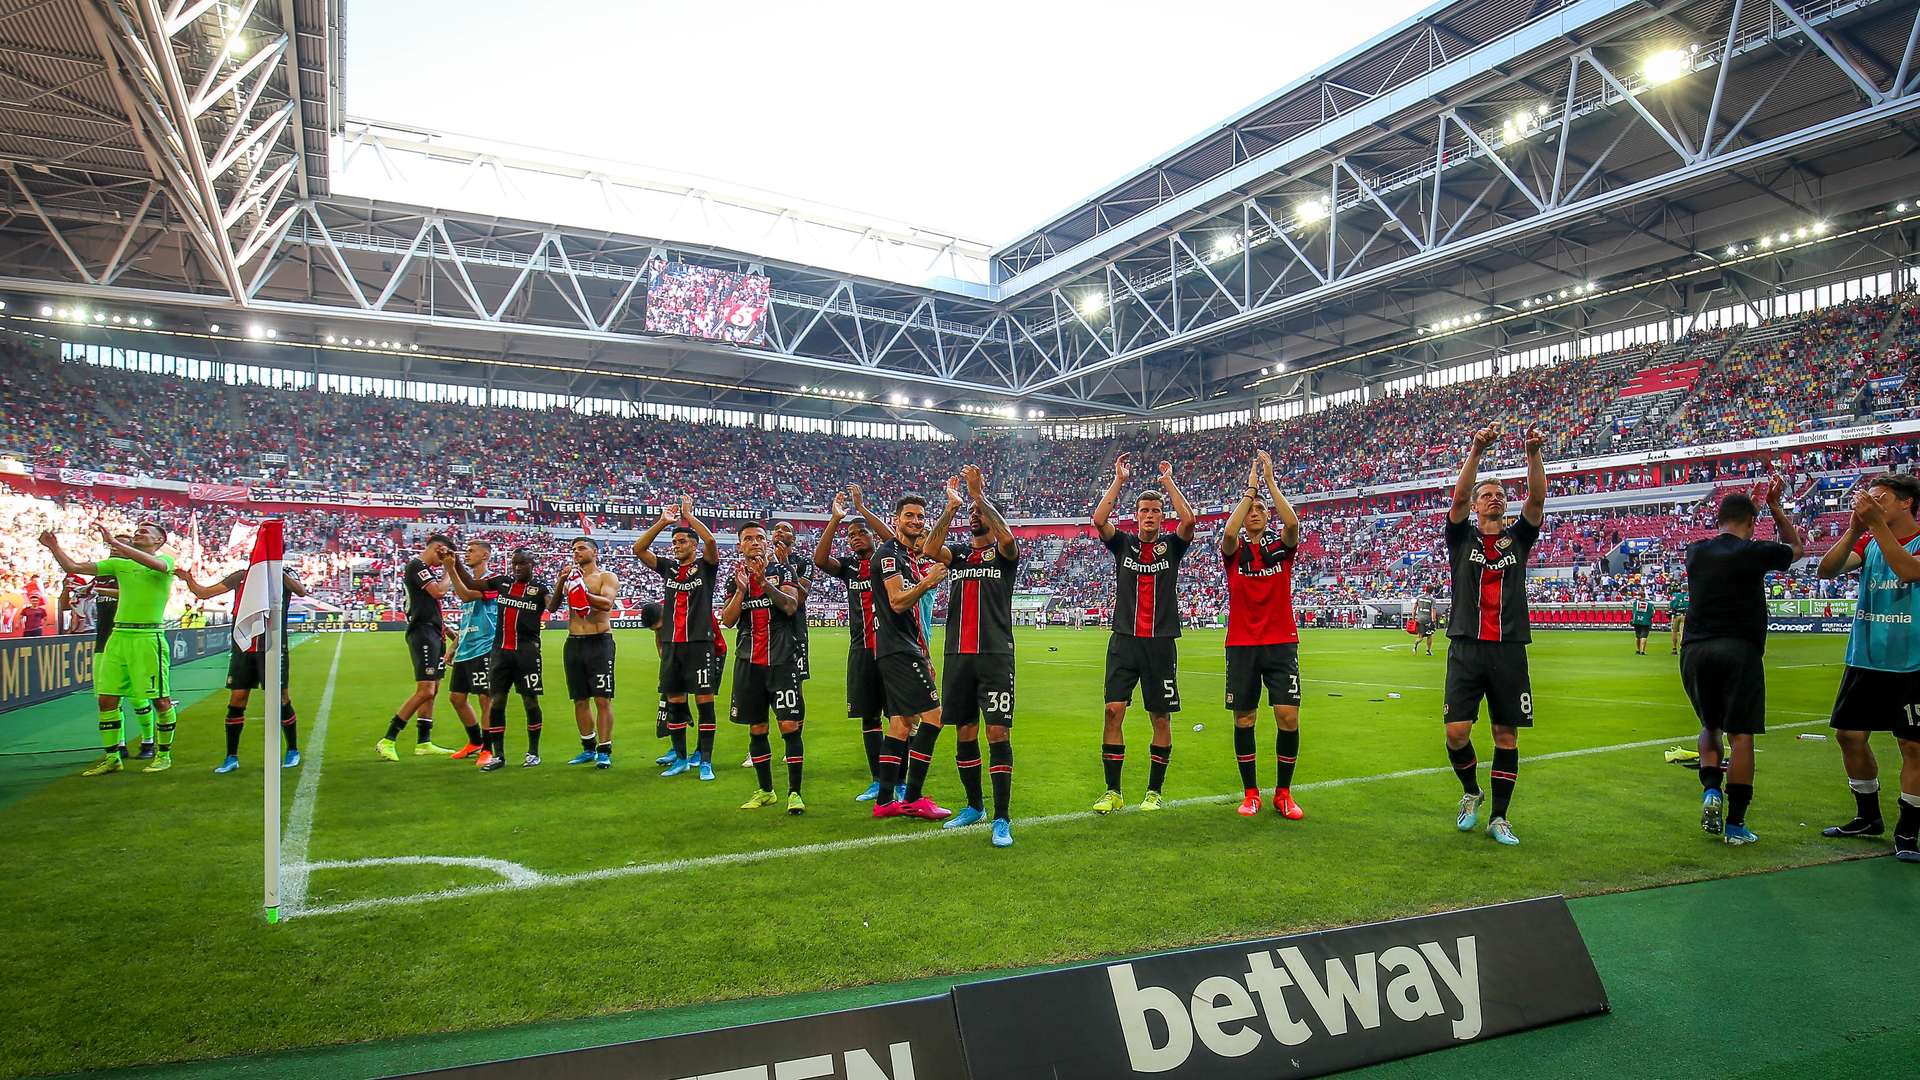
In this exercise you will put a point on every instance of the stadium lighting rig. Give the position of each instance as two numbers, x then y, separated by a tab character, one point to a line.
1668	64
1455	323
1093	303
1569	293
1308	211
1524	123
80	314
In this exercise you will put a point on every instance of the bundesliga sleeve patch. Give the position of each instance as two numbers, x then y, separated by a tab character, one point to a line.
888	567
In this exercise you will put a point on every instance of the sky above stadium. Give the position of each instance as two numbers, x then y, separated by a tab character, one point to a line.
981	120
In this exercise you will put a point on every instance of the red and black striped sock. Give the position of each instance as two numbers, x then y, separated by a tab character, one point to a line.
533	723
870	737
703	745
1286	751
1244	755
1000	766
920	758
236	723
760	750
678	717
1113	756
1506	772
1157	758
892	752
966	755
1465	766
796	759
289	726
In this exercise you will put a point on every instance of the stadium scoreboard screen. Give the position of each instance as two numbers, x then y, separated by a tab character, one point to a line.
700	302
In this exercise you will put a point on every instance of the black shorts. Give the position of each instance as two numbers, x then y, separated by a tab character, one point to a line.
1249	666
470	676
247	670
716	667
1642	631
687	667
906	682
428	648
1422	629
979	689
1153	663
516	669
866	694
1872	700
1495	670
760	687
1726	680
588	659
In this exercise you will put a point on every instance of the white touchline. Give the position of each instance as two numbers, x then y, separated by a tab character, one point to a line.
520	877
294	867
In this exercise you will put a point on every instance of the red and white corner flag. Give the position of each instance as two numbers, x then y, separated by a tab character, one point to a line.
250	610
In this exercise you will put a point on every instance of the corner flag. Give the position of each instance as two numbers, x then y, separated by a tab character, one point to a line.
254	611
252	606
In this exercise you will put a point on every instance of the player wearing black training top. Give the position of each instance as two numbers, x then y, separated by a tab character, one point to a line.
762	603
1487	627
1720	654
686	621
978	680
1146	624
426	583
900	578
866	696
514	661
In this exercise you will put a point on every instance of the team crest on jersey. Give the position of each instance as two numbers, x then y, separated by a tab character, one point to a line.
1503	543
1159	549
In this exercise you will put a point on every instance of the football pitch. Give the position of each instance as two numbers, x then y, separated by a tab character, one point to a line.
424	896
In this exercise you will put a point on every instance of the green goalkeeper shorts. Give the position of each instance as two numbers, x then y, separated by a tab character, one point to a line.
134	665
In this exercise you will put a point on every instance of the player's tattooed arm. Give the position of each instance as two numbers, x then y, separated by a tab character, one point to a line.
823	549
934	544
1180	504
996	524
643	544
463	584
1470	472
1230	533
903	599
1103	513
875	523
1282	509
1535	508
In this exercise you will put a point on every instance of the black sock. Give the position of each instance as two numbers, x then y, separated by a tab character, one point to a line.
586	743
236	723
1738	798
708	725
919	758
678	717
423	729
1000	765
1867	803
892	751
1506	772
870	737
663	719
289	726
475	736
1907	829
760	749
1157	758
604	748
1464	766
1113	756
533	723
1286	751
497	725
1244	755
966	754
1711	777
395	726
796	759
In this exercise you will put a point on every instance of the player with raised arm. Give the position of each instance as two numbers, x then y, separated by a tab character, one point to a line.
105	590
426	583
1488	625
1721	660
1880	685
588	593
1144	648
763	602
686	621
246	668
978	681
473	648
866	694
898	576
136	663
514	662
1263	640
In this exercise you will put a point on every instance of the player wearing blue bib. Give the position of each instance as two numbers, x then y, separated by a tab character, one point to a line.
1880	688
479	625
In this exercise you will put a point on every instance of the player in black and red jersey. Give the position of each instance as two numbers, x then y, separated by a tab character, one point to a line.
979	667
686	627
515	660
762	603
866	695
901	578
426	583
247	668
802	567
1263	641
1146	625
1488	627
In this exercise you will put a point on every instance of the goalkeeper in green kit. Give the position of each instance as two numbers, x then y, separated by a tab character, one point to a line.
135	663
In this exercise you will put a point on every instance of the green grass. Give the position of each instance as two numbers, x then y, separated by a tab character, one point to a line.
133	900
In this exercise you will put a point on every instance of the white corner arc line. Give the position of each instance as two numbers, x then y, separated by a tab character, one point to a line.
294	841
887	839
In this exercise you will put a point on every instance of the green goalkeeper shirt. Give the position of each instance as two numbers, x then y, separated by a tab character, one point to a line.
144	593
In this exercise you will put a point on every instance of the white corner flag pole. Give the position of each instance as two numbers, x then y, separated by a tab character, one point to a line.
272	646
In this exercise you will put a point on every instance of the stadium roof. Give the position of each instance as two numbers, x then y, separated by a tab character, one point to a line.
1422	201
